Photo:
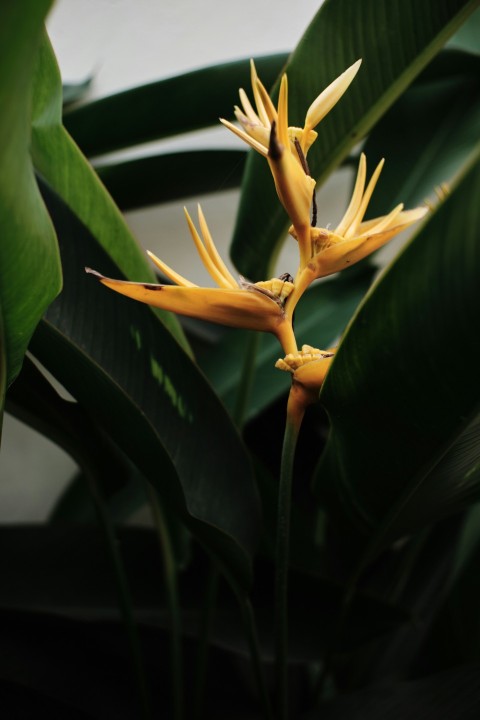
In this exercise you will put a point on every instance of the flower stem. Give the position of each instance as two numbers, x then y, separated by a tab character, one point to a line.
171	586
295	413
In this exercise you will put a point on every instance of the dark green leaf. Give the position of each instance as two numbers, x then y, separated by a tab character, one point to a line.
167	107
468	37
30	273
402	394
129	373
162	178
428	134
65	570
57	158
381	33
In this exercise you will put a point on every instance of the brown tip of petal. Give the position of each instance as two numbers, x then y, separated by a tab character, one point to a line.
275	149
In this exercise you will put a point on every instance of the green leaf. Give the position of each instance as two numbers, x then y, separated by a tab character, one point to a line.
428	134
163	178
30	273
119	362
64	570
402	392
395	40
60	162
319	320
167	107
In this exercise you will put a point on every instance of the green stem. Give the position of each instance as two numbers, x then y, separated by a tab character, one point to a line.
171	586
203	642
124	597
292	428
247	376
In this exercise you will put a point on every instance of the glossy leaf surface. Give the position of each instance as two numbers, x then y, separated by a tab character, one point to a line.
60	162
402	393
30	273
118	361
428	134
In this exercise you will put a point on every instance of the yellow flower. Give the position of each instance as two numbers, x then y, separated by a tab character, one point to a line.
257	125
254	306
285	147
353	238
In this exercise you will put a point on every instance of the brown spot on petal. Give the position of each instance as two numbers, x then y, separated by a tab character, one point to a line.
151	286
275	149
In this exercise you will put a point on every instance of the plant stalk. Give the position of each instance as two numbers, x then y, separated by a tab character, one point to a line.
295	413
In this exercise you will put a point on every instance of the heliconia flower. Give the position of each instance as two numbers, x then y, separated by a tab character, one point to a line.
257	125
254	306
285	147
353	238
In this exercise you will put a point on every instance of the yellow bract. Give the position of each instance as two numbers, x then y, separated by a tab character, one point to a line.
285	148
243	305
353	239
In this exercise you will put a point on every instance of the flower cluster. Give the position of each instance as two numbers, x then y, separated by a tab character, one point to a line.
269	305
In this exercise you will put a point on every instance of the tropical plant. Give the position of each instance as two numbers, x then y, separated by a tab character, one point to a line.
333	578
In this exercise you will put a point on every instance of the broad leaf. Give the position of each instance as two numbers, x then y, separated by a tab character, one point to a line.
30	273
119	362
381	33
167	107
163	178
402	394
40	574
60	162
428	134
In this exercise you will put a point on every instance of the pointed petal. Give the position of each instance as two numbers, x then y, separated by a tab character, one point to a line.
262	113
214	272
253	129
270	108
282	126
370	227
171	274
246	138
232	307
403	219
356	197
213	252
247	107
352	229
330	96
